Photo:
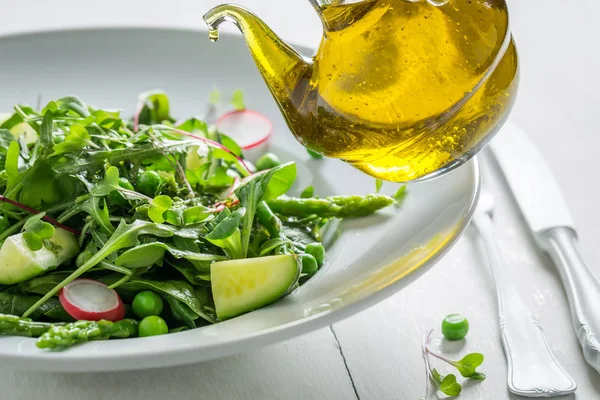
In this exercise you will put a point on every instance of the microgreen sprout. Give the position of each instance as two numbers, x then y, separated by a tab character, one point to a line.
448	384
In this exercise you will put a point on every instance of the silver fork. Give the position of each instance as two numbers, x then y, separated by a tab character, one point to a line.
533	370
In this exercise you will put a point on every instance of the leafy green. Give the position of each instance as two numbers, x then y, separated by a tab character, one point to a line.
125	236
180	290
147	254
158	206
92	171
400	194
446	384
467	365
182	312
308	192
226	233
14	304
378	185
154	108
97	209
108	184
237	100
76	140
37	231
266	185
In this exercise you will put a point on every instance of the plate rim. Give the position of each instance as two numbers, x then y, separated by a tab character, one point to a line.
49	361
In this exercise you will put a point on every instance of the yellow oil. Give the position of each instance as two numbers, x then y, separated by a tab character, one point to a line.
398	89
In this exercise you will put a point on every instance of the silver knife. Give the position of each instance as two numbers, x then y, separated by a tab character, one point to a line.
546	213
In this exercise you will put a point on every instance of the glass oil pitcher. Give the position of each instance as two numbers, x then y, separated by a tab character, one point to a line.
401	89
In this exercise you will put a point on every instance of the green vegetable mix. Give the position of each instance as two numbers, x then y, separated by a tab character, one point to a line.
146	204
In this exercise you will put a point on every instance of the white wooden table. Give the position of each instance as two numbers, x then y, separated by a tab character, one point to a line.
376	354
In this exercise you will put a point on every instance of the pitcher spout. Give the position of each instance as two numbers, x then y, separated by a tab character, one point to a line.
279	64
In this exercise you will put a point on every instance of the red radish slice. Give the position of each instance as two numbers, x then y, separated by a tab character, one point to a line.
89	300
250	129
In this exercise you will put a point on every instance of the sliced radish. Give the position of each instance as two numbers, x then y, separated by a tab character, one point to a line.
250	129
86	299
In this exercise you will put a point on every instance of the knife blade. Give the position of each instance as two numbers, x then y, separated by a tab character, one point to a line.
542	204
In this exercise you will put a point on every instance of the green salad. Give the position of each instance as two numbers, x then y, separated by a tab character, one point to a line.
114	228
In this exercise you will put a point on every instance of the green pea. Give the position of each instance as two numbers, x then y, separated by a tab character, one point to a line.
83	257
153	326
267	161
148	183
146	304
116	197
455	327
58	139
317	251
309	264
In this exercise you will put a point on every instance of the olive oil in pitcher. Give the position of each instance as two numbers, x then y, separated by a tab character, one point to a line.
401	90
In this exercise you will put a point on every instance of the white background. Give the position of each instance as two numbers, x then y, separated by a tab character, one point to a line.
376	354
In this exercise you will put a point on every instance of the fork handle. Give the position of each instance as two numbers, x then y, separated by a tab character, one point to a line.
581	285
533	371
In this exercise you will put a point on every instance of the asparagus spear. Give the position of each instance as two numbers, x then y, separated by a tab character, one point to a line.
273	225
52	336
334	206
11	325
60	336
270	221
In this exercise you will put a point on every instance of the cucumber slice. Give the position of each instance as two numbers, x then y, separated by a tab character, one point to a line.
240	286
19	263
23	129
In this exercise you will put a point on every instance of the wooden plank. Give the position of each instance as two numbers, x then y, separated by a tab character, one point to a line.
309	367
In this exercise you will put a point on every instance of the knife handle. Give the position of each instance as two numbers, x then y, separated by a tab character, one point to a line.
582	288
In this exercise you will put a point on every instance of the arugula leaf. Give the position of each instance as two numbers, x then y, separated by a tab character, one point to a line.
72	103
100	215
6	138
226	233
108	184
12	167
41	186
46	144
76	140
155	108
146	255
467	365
230	144
195	126
267	185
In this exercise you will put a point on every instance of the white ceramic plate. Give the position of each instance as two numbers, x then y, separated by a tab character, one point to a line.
374	257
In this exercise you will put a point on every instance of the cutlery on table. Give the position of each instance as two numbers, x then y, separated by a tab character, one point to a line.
533	371
543	206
